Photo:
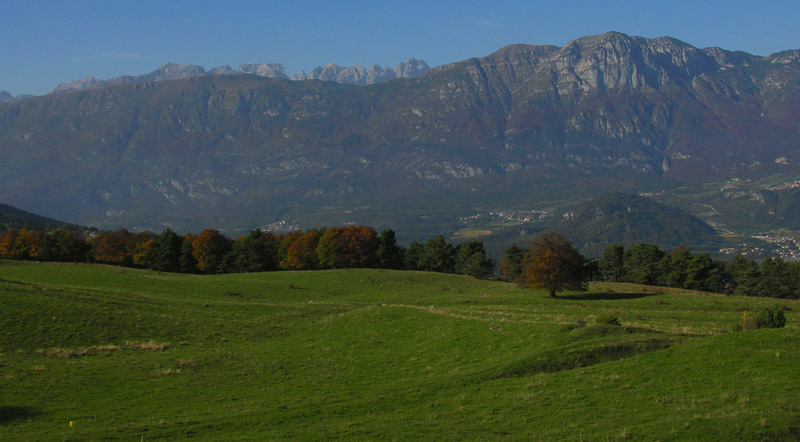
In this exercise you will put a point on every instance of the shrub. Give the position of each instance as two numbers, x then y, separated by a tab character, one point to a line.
607	319
771	317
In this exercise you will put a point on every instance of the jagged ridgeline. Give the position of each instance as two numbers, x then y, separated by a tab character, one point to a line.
629	219
523	128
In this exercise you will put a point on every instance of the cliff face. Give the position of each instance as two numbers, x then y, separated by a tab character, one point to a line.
523	125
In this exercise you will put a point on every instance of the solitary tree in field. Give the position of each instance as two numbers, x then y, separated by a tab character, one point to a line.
553	264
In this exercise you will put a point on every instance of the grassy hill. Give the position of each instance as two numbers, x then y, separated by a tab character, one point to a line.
380	355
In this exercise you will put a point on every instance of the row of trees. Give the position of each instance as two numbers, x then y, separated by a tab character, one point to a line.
552	262
647	264
212	252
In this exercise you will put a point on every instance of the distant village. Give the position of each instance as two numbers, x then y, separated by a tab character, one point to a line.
767	244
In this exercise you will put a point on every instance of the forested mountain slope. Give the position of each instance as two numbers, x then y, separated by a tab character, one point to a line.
525	127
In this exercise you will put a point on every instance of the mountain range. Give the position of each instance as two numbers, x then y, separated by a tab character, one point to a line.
525	129
357	74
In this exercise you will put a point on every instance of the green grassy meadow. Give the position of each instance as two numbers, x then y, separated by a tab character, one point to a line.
136	355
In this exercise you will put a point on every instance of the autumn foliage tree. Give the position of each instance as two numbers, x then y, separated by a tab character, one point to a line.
554	264
209	249
14	244
302	253
142	249
283	248
113	247
348	247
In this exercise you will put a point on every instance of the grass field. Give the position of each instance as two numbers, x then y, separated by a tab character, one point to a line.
381	355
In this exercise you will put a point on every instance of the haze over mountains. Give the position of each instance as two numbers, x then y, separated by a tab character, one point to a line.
330	72
525	128
6	97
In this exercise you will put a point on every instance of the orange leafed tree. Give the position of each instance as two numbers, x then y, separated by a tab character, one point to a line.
209	248
553	264
283	249
142	249
348	247
8	245
302	254
113	247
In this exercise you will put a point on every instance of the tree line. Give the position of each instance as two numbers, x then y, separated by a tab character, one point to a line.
549	262
648	264
212	252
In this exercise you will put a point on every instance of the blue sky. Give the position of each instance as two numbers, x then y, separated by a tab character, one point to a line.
43	43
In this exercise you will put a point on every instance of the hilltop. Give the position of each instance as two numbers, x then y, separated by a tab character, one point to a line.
629	219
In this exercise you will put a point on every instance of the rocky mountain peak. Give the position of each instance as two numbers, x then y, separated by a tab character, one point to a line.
785	57
6	97
524	50
357	74
360	76
413	67
76	85
221	70
174	71
609	60
271	70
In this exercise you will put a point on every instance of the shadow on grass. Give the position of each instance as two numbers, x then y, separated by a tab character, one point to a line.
562	360
10	413
607	296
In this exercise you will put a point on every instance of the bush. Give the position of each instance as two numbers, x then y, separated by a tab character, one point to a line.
771	317
607	319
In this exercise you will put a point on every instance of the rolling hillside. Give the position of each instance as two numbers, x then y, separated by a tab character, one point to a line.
90	352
